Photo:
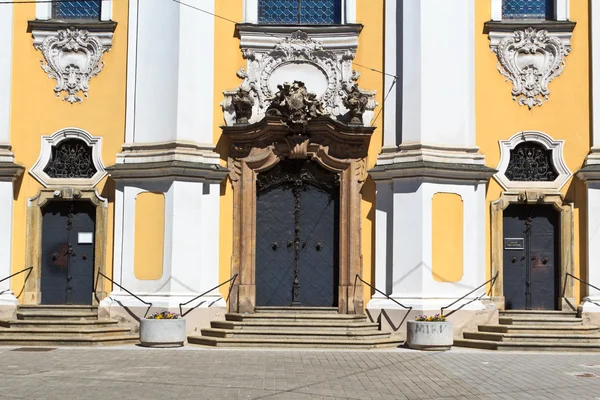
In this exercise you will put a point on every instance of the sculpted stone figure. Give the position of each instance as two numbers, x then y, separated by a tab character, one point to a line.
356	103
242	104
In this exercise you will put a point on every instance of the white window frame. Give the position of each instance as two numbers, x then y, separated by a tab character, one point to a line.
561	10
43	10
251	11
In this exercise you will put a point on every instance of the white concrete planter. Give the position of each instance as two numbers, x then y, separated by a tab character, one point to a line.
162	332
430	335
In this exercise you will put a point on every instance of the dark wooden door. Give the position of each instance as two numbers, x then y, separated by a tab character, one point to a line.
297	236
67	273
531	257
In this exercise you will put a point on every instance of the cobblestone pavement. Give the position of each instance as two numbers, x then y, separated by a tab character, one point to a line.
195	373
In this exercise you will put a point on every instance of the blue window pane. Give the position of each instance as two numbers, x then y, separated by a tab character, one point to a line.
308	12
526	9
88	9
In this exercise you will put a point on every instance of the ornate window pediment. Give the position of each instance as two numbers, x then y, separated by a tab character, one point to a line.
69	157
323	64
532	160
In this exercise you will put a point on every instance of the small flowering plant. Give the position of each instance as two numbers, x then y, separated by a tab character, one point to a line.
431	318
164	315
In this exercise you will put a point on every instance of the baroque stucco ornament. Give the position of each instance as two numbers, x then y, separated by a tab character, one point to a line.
531	59
325	69
71	57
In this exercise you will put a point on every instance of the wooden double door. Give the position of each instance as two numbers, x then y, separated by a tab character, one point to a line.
531	257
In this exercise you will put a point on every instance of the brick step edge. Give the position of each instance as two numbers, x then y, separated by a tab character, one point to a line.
286	343
526	346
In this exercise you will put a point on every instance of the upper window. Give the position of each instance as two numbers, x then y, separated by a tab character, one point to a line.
527	9
305	12
86	9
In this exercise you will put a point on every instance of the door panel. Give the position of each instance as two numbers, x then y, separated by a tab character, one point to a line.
274	255
67	270
530	257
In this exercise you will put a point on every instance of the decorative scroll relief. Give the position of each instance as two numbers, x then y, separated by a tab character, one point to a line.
72	57
69	157
532	160
530	59
298	57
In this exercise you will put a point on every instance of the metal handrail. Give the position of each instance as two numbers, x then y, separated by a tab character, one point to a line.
232	280
380	292
17	273
115	283
493	280
584	282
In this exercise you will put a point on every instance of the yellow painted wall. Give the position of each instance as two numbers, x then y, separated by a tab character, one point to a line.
228	60
565	116
149	242
36	111
447	232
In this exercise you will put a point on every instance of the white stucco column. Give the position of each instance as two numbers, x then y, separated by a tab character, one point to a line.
7	297
171	72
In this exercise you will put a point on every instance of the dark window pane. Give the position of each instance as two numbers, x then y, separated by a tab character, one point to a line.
89	9
527	9
308	12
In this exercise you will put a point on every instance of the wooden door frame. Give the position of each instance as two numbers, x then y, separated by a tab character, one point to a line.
258	147
566	241
32	293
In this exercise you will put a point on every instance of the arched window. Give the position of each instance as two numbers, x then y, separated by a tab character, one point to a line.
531	162
79	10
71	158
527	9
303	12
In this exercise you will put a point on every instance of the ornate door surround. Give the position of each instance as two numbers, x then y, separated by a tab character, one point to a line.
565	241
260	146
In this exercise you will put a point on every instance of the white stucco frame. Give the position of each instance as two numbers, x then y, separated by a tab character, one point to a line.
561	10
556	148
43	10
95	142
251	11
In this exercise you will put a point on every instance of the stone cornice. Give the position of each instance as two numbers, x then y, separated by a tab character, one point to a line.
178	170
513	25
10	171
433	171
53	25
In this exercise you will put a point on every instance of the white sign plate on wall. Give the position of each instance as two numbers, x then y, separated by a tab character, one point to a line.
85	238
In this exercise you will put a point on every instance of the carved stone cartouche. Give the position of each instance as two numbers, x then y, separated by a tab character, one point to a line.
295	104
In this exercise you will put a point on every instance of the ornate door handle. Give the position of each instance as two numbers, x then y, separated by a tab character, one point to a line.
545	260
274	246
514	260
319	246
54	256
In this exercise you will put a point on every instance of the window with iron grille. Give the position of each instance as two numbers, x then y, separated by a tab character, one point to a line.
77	9
305	12
527	9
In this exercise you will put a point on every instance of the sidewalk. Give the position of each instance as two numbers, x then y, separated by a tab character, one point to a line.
131	372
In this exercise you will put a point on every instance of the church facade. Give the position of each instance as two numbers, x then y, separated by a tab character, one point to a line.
300	153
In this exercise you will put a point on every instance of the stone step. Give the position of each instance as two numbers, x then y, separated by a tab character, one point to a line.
305	325
540	329
46	340
56	323
58	307
37	314
63	332
531	337
534	320
537	313
296	310
278	317
527	346
293	343
295	334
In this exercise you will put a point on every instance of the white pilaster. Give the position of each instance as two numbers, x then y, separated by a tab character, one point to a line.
7	298
438	73
393	53
410	273
595	73
191	245
593	237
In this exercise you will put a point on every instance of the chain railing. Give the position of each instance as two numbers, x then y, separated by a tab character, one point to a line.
492	280
232	280
358	278
29	269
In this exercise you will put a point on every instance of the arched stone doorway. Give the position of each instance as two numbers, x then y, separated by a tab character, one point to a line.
333	146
